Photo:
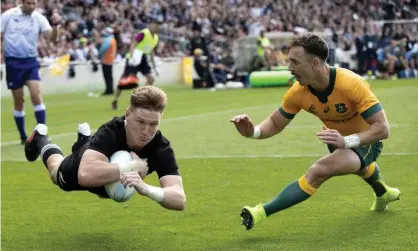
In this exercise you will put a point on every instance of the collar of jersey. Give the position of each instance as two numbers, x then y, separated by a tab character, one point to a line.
323	96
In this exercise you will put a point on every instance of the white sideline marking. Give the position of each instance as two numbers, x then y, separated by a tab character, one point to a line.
60	135
277	156
281	156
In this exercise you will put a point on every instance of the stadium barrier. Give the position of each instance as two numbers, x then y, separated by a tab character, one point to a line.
171	71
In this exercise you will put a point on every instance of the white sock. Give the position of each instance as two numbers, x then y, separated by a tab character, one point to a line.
39	107
42	129
84	129
18	114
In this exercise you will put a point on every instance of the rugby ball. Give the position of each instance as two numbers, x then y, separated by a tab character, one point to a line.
115	190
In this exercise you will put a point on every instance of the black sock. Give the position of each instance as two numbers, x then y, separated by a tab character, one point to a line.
81	140
375	179
48	150
41	141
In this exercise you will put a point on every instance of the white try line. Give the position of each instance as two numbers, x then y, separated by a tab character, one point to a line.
280	156
61	135
208	114
249	156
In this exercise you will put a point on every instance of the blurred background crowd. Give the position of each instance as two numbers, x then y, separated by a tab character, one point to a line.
210	27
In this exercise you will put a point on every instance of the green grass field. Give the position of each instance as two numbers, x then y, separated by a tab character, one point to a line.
221	172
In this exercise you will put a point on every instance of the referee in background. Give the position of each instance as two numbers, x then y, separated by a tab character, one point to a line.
20	29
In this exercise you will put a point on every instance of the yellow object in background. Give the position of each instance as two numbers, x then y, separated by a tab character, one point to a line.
58	68
187	70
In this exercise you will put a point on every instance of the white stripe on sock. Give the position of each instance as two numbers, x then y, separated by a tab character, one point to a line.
39	107
47	147
19	114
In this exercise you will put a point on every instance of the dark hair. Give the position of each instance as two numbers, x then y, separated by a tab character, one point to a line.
156	21
149	97
312	44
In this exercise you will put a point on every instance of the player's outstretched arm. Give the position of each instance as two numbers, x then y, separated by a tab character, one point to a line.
95	169
272	125
170	195
174	195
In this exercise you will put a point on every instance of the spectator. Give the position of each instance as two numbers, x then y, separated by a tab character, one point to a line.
198	41
264	47
228	62
202	69
228	20
107	54
216	66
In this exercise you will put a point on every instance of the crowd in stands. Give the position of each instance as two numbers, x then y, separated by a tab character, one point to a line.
388	49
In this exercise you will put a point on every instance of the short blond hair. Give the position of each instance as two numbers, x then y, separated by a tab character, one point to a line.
148	97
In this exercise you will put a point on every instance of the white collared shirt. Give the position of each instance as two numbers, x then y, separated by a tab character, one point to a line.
21	32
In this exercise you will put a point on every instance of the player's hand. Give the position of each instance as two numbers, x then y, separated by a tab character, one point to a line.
142	165
55	18
244	125
331	136
132	179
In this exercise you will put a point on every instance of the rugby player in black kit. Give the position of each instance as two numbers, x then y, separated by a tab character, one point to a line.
88	167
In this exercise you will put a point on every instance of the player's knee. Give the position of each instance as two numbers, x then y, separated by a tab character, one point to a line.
35	92
318	173
18	103
36	98
53	163
362	172
53	175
